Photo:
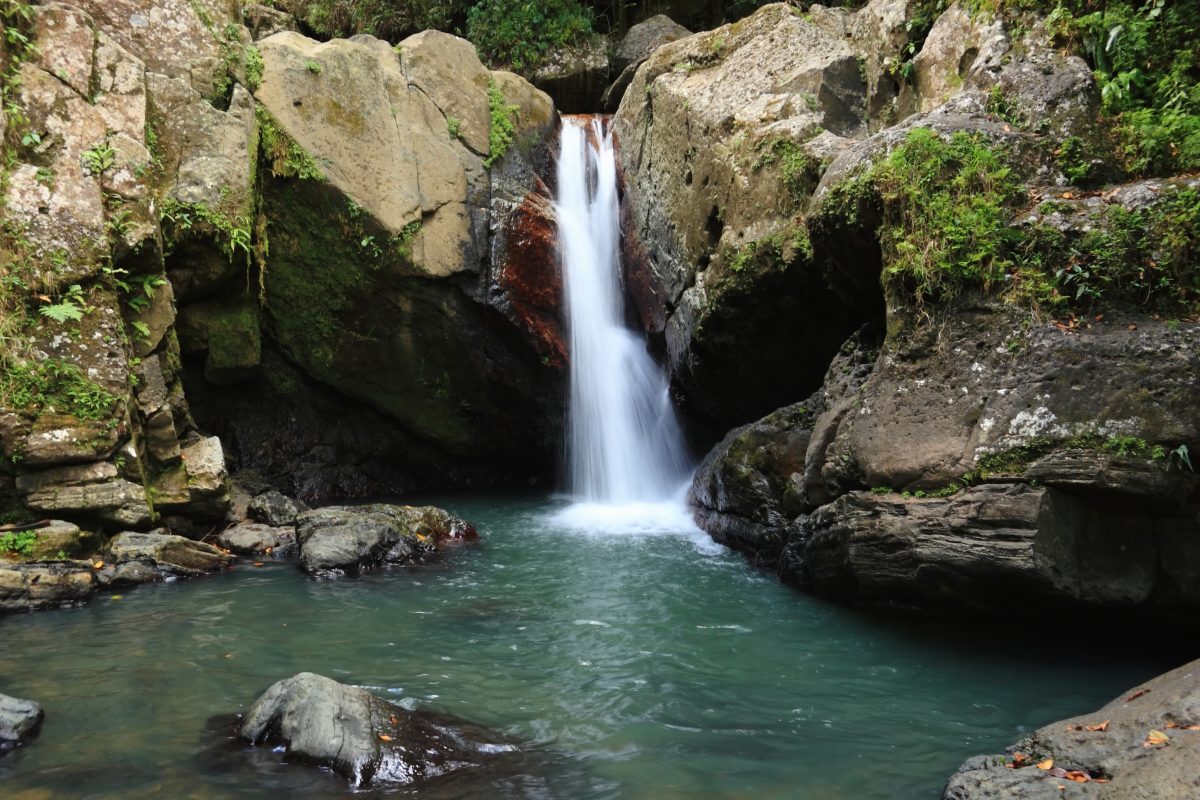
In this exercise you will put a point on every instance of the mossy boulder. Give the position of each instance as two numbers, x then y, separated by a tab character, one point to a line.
234	343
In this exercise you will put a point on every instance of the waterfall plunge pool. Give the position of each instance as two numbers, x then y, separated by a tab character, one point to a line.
651	665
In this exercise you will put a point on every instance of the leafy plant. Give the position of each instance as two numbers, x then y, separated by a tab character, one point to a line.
503	126
520	34
453	125
99	158
20	543
314	67
70	307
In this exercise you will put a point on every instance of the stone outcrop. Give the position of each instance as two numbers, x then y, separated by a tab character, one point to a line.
576	76
19	721
350	539
1142	745
366	740
166	555
275	508
723	137
254	539
638	43
340	269
31	587
1043	477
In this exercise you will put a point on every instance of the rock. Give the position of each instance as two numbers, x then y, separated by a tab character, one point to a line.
368	741
370	314
89	491
636	46
65	538
743	487
234	343
575	77
19	721
263	20
340	539
207	484
1118	753
715	130
275	508
138	557
31	587
252	539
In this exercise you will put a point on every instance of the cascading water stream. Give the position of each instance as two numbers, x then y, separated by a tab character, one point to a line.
624	444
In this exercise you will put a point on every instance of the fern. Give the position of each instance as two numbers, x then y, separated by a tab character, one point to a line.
62	312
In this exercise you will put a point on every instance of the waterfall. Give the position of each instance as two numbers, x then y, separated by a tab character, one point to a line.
624	443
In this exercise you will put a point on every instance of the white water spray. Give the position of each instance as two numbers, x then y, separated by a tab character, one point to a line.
624	444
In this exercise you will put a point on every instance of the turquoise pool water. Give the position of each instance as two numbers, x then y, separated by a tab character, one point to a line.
634	665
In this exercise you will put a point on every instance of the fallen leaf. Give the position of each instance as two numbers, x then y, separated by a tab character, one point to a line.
1136	695
1192	728
117	597
1057	772
229	655
1047	764
1155	739
1067	195
1103	726
268	551
1171	724
259	564
97	565
1132	327
394	720
1099	780
383	737
1078	776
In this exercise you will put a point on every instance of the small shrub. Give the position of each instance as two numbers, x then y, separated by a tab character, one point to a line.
520	34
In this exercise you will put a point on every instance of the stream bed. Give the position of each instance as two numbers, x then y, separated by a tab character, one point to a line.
644	663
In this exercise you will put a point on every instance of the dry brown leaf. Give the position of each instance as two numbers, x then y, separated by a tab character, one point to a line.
383	737
1099	780
1171	724
1192	728
97	565
1078	776
259	564
1047	764
1136	695
1067	195
1132	327
1155	739
1103	726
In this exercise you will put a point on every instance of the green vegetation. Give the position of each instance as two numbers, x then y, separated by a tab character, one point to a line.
99	158
31	388
314	67
181	219
520	34
287	159
18	544
1145	59
454	127
798	170
946	208
503	126
254	68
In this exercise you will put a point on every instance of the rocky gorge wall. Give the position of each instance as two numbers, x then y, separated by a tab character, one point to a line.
1011	421
337	256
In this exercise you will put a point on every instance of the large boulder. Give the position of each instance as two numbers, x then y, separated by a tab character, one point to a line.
723	137
253	539
339	539
164	555
1144	745
636	46
19	721
378	282
275	508
31	587
368	741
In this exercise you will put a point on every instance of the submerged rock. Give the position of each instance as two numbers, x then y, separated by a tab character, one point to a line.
352	538
1138	747
19	721
365	739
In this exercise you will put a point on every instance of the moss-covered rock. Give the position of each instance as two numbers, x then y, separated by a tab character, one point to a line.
234	343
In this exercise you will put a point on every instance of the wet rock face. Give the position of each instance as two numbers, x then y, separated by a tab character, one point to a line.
349	539
1117	759
165	554
253	539
366	740
275	508
19	721
30	587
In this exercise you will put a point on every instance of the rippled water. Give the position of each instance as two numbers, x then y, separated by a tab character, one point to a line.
637	666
